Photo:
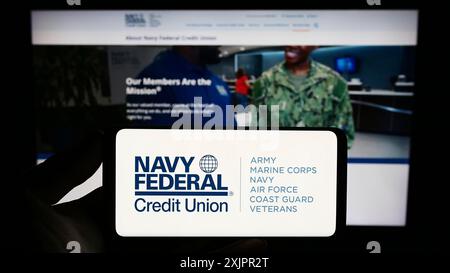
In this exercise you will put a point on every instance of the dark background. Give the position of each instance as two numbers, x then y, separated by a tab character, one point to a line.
427	224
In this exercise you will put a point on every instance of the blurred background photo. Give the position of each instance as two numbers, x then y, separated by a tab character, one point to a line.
79	88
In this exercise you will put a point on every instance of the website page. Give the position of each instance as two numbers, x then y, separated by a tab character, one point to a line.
352	70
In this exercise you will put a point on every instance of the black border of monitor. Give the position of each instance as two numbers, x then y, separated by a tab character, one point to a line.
421	224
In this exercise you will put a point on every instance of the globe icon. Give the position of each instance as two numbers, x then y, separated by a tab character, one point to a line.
208	163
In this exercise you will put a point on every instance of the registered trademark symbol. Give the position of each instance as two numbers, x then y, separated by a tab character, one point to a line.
230	193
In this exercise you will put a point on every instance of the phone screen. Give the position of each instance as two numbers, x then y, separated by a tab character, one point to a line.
225	183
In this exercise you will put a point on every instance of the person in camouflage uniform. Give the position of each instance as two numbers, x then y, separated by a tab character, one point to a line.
309	94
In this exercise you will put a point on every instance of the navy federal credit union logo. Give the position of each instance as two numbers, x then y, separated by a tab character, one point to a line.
164	175
188	184
135	20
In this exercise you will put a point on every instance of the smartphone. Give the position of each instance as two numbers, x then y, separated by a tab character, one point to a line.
164	183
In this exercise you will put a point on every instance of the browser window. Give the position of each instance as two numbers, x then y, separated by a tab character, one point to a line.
348	69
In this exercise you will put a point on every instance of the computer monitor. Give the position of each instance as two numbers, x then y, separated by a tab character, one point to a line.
89	68
104	68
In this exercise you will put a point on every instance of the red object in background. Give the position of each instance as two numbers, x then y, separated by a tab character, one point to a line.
241	85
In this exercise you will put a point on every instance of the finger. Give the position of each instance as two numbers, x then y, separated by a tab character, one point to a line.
52	179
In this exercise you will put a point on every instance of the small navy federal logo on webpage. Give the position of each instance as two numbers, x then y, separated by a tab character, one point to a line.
135	20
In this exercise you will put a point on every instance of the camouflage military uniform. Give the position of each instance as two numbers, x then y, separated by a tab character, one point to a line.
321	100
